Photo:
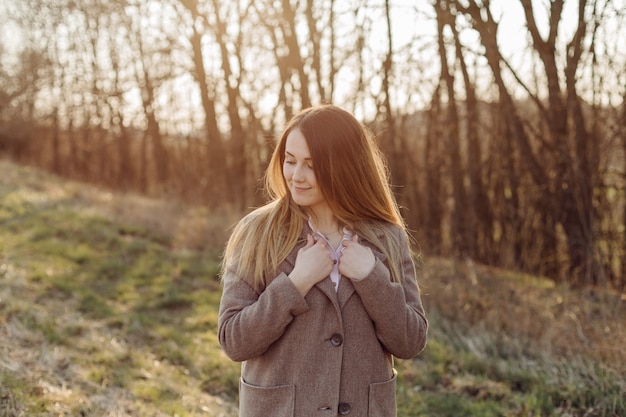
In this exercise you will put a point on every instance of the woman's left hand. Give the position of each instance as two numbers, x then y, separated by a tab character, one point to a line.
356	261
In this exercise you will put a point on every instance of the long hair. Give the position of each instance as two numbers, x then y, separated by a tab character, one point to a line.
353	177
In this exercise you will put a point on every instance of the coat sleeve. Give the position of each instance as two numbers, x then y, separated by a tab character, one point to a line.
249	322
395	307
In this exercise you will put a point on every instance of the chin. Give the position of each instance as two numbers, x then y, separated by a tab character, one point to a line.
300	201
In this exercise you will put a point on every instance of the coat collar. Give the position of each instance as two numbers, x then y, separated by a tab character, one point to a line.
339	297
346	288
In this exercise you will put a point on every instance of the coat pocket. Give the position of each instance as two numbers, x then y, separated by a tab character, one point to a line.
255	401
382	398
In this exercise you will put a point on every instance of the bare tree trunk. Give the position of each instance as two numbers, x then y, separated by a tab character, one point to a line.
389	122
432	161
512	220
623	248
585	167
100	167
56	143
153	131
393	142
143	164
237	157
296	62
314	41
214	143
57	163
360	46
331	53
484	24
573	166
216	172
125	172
124	177
282	62
73	157
479	219
458	221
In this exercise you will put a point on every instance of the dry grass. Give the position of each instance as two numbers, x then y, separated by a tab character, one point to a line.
58	358
184	226
58	378
188	227
553	320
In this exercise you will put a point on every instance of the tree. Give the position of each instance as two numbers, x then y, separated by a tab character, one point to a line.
517	168
458	219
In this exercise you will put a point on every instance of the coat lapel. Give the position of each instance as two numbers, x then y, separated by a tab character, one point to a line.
346	289
327	287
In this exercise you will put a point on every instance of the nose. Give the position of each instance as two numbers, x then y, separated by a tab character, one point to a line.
298	173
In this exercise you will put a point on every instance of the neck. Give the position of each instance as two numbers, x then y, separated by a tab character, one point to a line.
325	221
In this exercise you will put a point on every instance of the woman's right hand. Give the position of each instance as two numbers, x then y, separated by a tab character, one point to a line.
313	264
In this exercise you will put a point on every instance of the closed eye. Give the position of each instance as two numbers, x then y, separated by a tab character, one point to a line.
291	159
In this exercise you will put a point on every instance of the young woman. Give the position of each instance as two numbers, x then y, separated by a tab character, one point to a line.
319	285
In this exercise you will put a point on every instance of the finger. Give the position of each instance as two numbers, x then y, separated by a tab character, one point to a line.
310	241
355	238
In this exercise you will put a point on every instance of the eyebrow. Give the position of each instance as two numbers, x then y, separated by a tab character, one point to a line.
293	156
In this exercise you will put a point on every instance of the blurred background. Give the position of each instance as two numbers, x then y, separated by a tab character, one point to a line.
134	133
503	122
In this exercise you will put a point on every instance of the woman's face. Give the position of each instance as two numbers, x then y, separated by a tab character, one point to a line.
299	175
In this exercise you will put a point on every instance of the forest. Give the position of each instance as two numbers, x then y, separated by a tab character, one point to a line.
506	139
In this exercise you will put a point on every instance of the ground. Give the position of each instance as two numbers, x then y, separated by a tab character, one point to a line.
108	307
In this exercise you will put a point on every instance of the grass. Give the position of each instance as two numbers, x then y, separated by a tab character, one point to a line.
465	373
108	307
101	314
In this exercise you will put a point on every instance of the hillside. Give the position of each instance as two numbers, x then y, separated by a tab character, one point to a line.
108	307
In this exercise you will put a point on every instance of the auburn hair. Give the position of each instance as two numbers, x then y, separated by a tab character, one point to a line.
354	179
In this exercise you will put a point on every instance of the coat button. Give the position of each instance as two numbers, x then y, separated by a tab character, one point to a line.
344	409
336	339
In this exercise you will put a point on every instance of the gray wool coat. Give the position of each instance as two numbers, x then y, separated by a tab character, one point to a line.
328	353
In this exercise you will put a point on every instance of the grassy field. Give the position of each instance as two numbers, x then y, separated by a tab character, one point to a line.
108	307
